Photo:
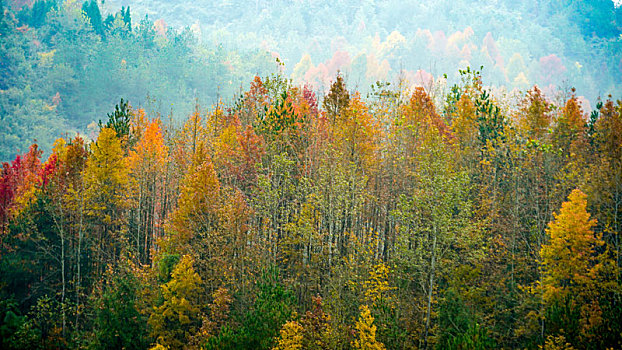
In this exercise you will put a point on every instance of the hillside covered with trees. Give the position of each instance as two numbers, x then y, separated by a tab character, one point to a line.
521	43
291	221
64	64
186	194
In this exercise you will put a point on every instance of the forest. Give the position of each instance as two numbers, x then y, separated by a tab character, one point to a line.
445	215
288	221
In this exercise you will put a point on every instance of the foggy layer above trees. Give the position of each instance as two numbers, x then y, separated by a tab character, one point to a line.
548	43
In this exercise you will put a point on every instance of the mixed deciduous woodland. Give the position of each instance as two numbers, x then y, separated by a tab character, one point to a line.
445	217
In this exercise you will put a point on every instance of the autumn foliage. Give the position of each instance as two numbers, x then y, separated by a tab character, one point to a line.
404	219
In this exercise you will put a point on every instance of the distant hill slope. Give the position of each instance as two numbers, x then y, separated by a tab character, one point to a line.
64	65
536	42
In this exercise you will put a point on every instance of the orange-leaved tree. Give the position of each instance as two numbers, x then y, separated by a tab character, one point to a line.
147	163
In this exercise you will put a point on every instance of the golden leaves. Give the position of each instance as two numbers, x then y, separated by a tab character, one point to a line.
366	332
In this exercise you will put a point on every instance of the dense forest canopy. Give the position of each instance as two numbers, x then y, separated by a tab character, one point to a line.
186	191
285	220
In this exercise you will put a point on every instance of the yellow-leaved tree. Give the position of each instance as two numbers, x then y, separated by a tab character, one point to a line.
291	337
197	206
106	183
571	268
569	258
178	318
366	332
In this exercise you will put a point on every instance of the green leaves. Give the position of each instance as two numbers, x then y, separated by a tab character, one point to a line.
260	324
119	120
118	324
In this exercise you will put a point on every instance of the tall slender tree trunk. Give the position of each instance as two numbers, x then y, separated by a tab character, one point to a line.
62	263
79	260
430	291
139	222
61	231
